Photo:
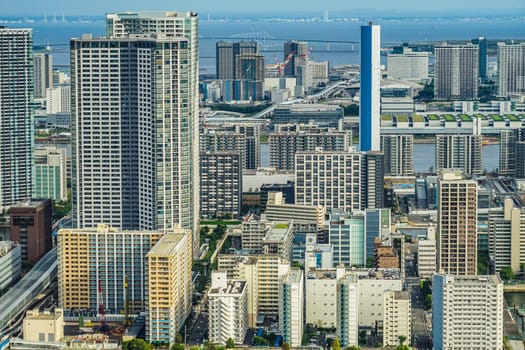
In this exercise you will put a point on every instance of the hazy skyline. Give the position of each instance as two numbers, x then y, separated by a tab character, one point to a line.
100	7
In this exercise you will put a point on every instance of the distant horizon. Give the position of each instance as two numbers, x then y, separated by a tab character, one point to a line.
496	13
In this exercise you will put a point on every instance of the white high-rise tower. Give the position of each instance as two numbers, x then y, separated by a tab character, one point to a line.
135	123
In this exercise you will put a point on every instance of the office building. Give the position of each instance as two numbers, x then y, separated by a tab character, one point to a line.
169	286
262	274
226	57
456	71
459	152
43	72
82	271
311	74
287	140
408	65
369	100
505	227
46	326
483	50
16	122
348	239
10	264
242	137
155	183
296	52
50	173
511	69
426	257
467	312
221	184
291	307
457	224
397	317
320	114
227	304
398	151
341	180
31	225
316	255
58	99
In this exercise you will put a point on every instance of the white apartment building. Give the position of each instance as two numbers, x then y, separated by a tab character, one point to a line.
397	317
426	257
370	296
291	307
409	65
348	181
347	310
262	274
58	99
228	313
467	312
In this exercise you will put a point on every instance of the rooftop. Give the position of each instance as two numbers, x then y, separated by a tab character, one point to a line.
5	247
401	295
169	242
234	287
294	276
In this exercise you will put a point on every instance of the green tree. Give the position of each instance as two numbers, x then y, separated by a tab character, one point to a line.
179	339
208	345
177	346
230	343
402	339
286	346
260	341
362	338
336	345
522	267
353	347
195	347
506	273
136	344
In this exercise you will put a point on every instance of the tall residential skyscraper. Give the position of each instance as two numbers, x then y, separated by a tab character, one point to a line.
511	69
483	46
135	123
399	154
467	312
226	56
43	72
459	152
457	223
300	52
16	116
456	72
369	101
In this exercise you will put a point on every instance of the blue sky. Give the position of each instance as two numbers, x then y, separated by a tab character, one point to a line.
100	7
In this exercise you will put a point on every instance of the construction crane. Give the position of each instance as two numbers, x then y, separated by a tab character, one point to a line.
280	67
103	325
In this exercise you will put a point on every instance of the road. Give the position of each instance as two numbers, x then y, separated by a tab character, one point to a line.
421	324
